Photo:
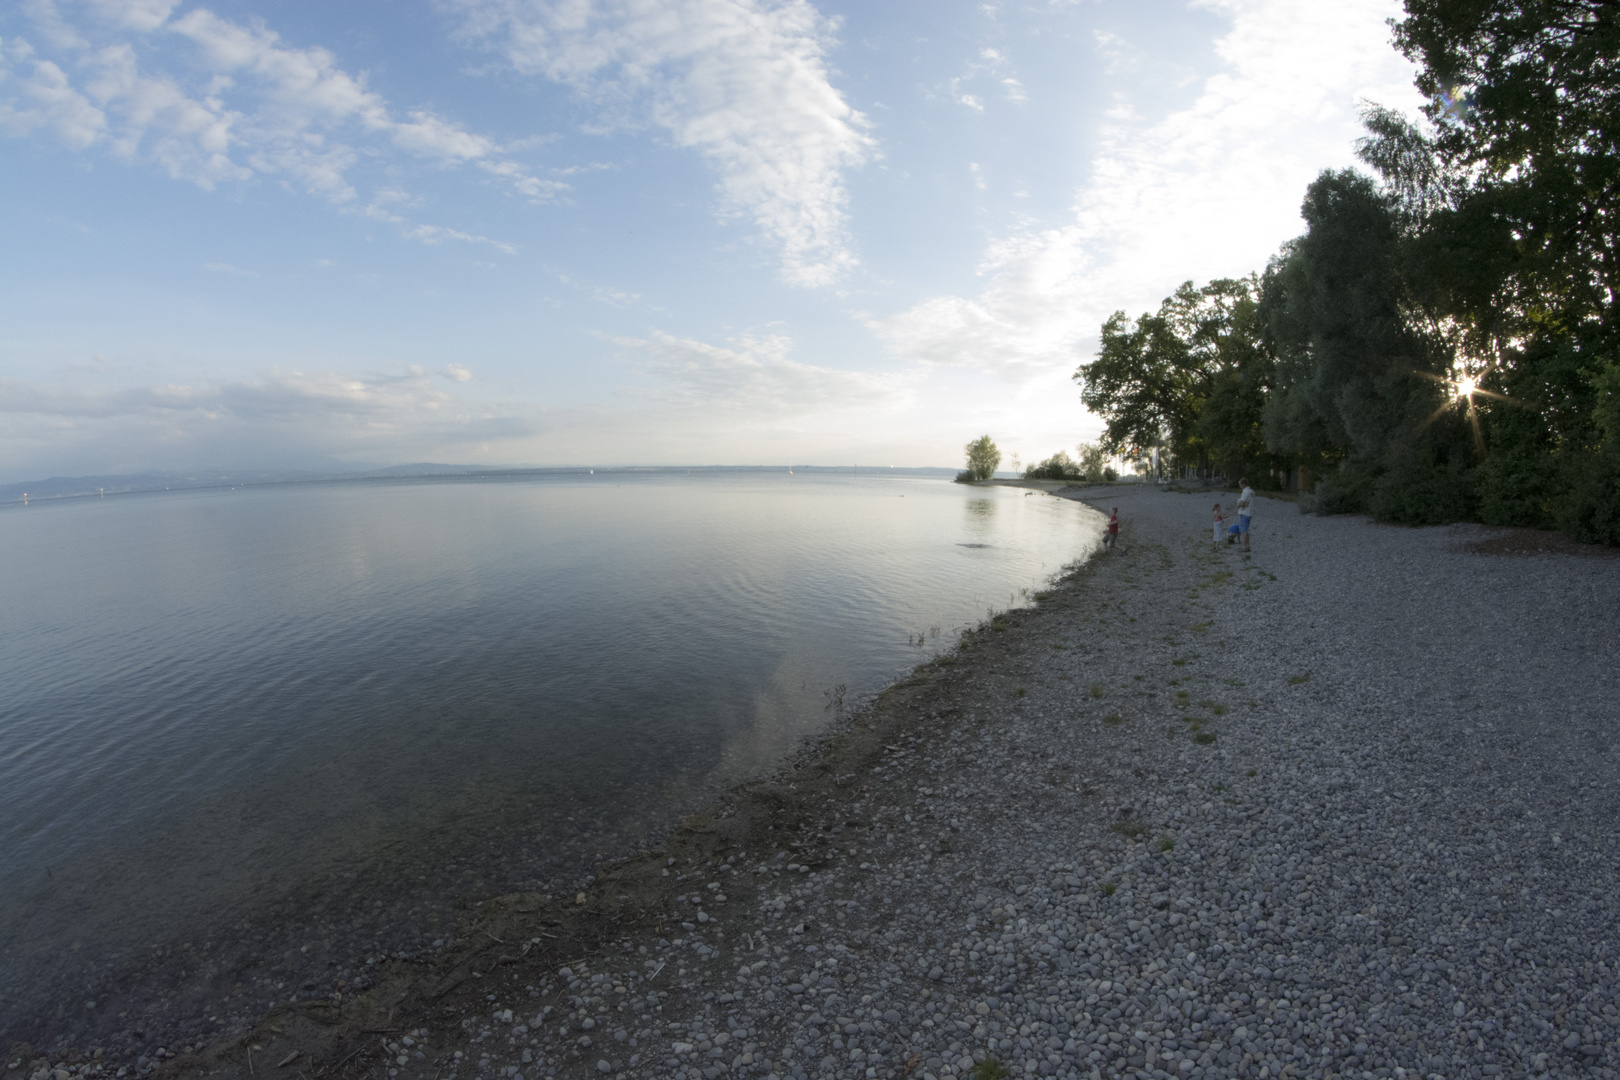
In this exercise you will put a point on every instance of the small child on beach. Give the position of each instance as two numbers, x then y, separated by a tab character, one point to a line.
1220	523
1112	536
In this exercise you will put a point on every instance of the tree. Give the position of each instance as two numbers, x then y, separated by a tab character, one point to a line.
1146	383
1093	462
982	458
1190	378
1360	370
1523	259
1525	95
1443	341
1228	336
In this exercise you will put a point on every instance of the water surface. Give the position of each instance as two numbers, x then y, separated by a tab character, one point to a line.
230	715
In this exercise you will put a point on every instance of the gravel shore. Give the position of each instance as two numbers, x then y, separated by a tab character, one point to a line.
1342	808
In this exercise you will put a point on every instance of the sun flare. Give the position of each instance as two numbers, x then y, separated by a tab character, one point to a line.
1465	387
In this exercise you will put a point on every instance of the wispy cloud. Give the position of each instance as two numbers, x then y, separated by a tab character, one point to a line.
1209	190
987	69
754	376
235	103
743	82
279	415
438	234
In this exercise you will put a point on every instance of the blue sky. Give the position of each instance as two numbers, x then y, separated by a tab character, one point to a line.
297	234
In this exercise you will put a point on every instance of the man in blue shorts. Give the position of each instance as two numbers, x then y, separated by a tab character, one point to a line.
1245	511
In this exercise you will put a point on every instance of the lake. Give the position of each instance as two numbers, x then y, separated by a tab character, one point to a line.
251	734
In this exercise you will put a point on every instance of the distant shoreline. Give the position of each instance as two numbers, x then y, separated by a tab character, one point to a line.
81	487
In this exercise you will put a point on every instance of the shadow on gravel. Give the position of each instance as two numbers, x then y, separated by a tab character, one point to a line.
1535	542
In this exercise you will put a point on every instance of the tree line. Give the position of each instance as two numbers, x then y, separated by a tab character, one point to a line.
984	457
1443	342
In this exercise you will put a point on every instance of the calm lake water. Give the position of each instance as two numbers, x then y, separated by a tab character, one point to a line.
227	708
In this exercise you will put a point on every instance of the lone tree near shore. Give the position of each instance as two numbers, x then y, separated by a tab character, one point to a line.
982	459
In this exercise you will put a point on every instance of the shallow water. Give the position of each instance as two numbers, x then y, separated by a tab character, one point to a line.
224	707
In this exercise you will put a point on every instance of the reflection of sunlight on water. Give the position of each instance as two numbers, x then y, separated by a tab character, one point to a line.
790	708
979	515
793	705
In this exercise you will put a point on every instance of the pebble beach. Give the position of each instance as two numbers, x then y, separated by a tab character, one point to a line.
1343	807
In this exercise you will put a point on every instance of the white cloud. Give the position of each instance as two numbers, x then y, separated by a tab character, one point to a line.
134	14
239	103
48	101
457	372
743	82
190	138
1210	190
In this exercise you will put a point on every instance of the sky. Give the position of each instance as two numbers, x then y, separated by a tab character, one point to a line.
292	234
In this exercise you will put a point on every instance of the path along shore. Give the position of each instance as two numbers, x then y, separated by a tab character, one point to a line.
1346	808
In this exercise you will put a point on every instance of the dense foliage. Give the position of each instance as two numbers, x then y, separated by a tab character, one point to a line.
1091	467
1060	466
1442	343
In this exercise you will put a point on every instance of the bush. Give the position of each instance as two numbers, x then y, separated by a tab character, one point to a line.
1518	486
965	477
1414	491
1110	474
1590	512
1342	492
1060	466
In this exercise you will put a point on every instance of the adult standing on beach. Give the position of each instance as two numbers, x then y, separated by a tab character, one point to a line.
1245	511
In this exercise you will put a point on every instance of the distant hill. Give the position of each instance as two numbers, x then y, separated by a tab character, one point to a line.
68	487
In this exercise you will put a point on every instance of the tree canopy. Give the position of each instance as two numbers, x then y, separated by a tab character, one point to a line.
982	458
1188	378
1442	343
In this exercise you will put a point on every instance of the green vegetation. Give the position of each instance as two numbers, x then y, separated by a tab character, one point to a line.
1060	466
1128	829
1443	341
1092	467
990	1069
1203	738
1166	844
1295	680
982	459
